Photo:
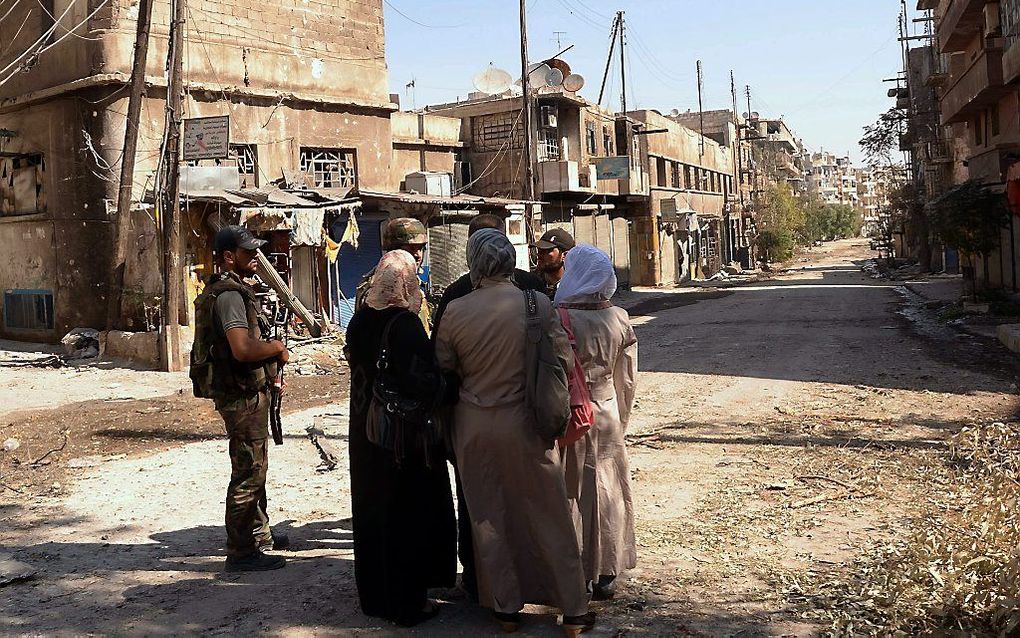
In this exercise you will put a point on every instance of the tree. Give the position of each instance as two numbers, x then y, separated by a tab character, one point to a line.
907	211
782	223
970	217
883	137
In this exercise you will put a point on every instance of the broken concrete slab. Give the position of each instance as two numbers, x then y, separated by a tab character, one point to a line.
1009	335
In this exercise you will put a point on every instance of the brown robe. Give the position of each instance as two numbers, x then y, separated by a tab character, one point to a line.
525	545
597	472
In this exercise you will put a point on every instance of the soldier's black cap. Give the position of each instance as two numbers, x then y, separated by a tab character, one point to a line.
555	238
234	237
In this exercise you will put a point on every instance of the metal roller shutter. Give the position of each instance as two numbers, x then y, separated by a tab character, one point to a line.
447	254
584	229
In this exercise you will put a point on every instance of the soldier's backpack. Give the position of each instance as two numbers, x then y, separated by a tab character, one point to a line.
214	372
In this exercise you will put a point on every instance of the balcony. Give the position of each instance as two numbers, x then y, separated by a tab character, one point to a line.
1011	61
566	177
980	86
962	21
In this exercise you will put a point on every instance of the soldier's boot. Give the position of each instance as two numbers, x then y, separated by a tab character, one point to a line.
275	541
254	562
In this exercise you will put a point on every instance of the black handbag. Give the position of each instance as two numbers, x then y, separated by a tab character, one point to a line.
396	421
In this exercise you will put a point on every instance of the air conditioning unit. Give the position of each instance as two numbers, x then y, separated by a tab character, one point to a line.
548	117
993	20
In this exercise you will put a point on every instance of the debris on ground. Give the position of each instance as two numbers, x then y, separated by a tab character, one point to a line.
957	567
14	571
81	343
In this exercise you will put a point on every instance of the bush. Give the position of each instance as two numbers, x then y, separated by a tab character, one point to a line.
775	245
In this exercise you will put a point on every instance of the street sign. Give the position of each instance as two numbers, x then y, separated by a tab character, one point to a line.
206	137
613	167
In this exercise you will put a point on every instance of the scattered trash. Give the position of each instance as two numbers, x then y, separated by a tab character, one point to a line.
81	343
11	444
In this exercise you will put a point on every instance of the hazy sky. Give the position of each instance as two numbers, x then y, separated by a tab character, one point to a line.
818	63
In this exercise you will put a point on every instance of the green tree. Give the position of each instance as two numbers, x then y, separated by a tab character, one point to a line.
782	223
970	217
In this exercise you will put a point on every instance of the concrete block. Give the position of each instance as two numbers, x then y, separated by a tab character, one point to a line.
1009	335
140	347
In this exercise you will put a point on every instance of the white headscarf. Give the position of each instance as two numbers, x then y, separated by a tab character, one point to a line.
395	283
490	254
587	271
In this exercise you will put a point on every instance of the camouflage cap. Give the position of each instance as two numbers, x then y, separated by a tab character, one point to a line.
402	231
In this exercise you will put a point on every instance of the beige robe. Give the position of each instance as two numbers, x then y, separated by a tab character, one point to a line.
525	546
597	472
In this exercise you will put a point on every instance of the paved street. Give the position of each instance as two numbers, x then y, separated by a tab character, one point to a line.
760	407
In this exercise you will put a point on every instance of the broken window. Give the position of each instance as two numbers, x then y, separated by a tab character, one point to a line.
247	163
607	140
590	140
493	132
330	167
28	309
22	185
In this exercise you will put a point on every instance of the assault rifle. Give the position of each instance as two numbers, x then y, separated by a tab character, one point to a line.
279	315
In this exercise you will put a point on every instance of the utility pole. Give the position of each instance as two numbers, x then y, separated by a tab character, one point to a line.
623	60
739	153
701	112
529	155
754	169
609	60
171	196
127	164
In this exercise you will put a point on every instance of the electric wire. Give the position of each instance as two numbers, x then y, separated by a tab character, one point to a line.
486	171
40	42
57	22
16	34
35	55
422	24
13	6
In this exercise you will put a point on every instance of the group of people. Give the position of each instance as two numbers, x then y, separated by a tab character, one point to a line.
537	521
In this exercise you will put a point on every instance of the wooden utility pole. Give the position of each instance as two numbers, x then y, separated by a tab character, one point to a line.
739	151
171	196
127	164
623	61
529	155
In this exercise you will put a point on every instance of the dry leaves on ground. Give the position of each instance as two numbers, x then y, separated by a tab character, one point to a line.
957	569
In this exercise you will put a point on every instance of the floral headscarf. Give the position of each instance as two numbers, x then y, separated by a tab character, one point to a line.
587	271
395	283
490	254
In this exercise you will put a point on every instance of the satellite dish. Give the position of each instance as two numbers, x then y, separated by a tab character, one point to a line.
538	75
557	63
493	81
573	83
674	113
554	78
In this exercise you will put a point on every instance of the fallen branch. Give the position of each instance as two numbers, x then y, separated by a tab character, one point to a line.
12	488
54	450
811	477
827	498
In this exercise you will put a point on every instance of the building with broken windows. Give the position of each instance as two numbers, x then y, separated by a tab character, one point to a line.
317	147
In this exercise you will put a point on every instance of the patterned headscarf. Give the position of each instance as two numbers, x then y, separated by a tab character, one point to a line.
395	283
490	254
587	271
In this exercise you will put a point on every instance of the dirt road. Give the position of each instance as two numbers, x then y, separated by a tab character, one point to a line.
782	427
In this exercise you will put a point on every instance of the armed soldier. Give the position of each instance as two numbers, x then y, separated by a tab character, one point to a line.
233	364
402	233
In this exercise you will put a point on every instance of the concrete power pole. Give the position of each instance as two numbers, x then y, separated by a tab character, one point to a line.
529	155
171	197
127	164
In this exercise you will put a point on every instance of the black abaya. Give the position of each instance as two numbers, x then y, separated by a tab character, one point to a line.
404	527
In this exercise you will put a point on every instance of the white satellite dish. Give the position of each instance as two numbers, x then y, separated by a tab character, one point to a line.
538	75
674	113
554	78
493	81
573	83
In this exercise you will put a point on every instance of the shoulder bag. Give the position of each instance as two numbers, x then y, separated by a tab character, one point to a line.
546	393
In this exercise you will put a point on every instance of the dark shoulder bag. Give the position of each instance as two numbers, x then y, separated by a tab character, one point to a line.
397	421
547	393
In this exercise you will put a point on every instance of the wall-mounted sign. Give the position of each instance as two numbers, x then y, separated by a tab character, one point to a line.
613	167
206	137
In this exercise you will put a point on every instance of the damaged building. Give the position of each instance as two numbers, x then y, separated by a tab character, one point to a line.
317	146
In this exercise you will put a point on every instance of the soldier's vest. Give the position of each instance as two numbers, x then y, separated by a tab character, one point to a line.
215	373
